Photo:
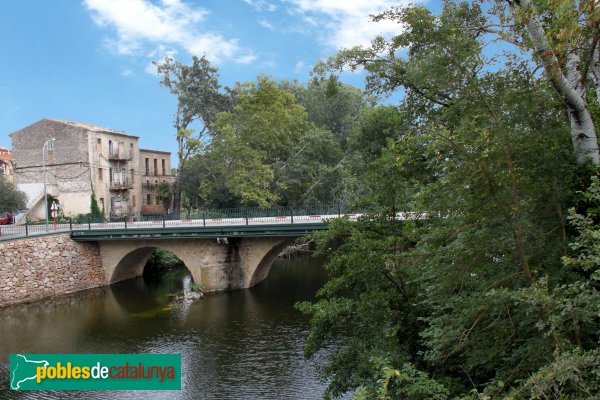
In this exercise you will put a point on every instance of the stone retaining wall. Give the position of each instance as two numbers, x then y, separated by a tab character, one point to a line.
39	267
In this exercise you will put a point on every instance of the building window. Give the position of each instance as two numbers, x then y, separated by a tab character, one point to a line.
147	166
163	167
132	172
155	166
100	174
133	201
131	150
102	204
99	146
148	199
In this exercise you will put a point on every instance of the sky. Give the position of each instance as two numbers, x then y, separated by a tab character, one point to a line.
91	60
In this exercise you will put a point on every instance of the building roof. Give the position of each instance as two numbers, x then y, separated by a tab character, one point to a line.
86	126
155	151
5	153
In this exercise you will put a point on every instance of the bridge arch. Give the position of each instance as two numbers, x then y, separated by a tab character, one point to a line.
263	267
133	264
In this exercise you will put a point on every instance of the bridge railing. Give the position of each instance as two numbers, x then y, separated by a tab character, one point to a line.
202	217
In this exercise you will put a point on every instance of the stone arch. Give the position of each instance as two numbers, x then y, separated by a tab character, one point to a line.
127	260
132	264
224	264
263	267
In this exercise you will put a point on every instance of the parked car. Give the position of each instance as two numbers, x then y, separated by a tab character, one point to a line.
6	218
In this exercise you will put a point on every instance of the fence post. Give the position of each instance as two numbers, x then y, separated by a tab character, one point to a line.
90	223
71	224
204	217
246	213
26	228
163	217
125	219
292	214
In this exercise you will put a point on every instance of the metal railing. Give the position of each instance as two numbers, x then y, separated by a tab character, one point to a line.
200	218
115	154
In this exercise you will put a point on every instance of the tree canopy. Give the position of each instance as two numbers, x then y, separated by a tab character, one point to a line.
11	199
488	291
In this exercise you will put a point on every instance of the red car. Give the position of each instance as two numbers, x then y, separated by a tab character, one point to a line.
6	219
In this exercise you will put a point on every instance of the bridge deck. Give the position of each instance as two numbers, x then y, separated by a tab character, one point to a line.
190	228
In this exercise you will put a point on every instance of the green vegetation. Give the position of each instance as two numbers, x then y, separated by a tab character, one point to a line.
11	199
490	290
162	259
197	287
95	212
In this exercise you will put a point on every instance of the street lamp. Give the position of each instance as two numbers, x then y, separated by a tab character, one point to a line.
49	142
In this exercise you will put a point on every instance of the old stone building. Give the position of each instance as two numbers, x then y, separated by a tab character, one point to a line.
6	164
155	168
82	161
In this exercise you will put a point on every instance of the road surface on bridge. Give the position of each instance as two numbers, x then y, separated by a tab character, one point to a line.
155	226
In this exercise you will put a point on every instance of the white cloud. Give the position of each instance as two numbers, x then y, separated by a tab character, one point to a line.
265	24
347	23
246	59
260	5
143	26
300	66
127	72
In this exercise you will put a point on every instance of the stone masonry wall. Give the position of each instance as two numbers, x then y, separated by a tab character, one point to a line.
39	267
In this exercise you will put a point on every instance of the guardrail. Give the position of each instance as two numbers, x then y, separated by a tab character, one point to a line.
202	218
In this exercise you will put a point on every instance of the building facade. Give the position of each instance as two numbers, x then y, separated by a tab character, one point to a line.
155	168
83	161
6	164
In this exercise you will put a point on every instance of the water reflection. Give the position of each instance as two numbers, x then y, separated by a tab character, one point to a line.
245	344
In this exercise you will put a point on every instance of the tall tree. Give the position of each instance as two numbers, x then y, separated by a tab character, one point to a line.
562	36
260	131
11	199
198	99
477	300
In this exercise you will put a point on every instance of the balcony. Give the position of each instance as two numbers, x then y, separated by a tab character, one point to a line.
117	155
124	183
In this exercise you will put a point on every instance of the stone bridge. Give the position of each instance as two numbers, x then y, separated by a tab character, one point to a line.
220	258
218	264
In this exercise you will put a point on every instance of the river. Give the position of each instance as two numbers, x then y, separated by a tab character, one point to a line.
245	344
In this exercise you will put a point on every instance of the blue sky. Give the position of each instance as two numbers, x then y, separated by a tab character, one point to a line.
90	60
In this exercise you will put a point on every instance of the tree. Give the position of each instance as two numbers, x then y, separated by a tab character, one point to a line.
198	99
163	191
11	199
95	211
473	296
259	132
333	105
563	37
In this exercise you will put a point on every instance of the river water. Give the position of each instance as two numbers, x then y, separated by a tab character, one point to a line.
246	344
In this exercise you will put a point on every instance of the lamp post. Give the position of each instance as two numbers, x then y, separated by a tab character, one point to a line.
45	190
